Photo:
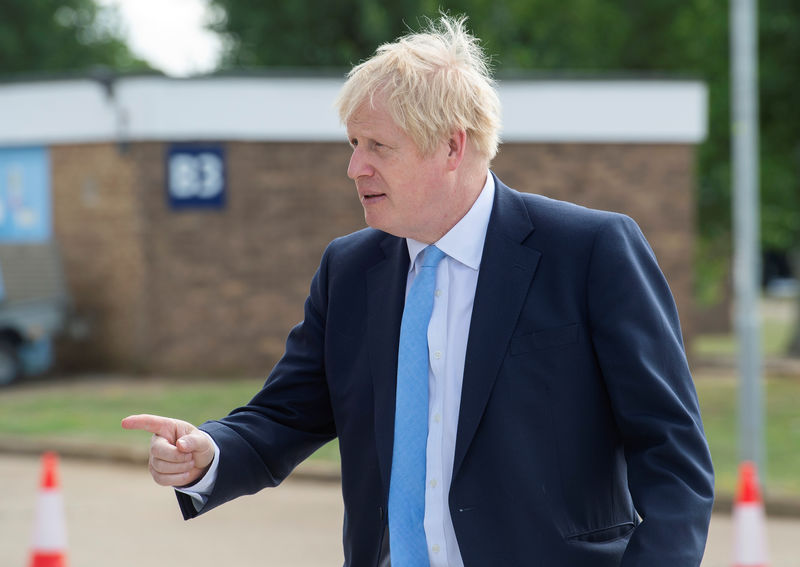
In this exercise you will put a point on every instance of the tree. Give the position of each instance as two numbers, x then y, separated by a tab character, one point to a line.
779	78
307	33
61	35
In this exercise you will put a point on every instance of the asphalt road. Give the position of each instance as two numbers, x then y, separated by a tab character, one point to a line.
116	516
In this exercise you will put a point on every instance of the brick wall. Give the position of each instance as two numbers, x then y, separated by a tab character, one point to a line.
98	224
216	291
225	286
654	184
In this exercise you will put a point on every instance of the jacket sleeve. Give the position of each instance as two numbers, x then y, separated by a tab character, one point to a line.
637	338
286	421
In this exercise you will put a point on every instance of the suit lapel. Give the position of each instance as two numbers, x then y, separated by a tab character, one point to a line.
506	272
386	284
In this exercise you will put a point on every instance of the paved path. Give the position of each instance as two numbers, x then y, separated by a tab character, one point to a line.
116	516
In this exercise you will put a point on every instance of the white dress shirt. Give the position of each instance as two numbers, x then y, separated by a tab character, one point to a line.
448	330
456	280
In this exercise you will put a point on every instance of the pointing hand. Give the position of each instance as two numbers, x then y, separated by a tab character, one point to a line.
180	454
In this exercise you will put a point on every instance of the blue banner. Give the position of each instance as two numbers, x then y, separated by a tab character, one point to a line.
25	209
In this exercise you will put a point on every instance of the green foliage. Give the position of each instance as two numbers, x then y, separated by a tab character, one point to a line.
779	80
60	35
302	33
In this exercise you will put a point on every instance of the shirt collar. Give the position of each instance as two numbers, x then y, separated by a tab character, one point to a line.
464	242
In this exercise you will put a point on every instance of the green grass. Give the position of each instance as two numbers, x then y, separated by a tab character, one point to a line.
777	325
92	410
719	403
719	406
775	338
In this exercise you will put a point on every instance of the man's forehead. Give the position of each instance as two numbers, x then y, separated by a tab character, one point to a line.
370	117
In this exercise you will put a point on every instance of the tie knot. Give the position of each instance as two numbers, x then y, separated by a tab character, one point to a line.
432	256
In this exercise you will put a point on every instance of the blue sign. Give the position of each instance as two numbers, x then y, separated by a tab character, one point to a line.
25	210
196	176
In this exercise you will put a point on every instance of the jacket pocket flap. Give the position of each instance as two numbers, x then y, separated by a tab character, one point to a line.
604	535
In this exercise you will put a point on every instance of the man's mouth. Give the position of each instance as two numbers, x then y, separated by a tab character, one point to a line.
373	196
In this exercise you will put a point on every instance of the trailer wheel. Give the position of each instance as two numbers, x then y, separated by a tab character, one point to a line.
10	366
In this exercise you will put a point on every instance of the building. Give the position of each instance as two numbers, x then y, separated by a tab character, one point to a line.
191	213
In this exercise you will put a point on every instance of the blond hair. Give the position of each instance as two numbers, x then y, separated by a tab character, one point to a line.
436	82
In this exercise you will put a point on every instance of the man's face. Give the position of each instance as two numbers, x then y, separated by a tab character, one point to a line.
402	192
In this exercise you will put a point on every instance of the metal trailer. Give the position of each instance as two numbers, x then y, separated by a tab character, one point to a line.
34	307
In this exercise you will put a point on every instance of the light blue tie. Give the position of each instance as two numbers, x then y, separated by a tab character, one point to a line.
407	486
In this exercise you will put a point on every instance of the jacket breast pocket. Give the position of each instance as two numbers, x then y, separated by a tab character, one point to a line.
545	339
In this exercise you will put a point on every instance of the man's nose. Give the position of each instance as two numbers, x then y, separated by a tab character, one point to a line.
359	166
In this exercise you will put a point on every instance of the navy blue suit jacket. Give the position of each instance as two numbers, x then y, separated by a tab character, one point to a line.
579	436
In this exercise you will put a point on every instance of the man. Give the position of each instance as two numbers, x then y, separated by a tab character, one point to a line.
550	418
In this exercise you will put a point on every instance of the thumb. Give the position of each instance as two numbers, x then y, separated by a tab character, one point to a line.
199	444
191	442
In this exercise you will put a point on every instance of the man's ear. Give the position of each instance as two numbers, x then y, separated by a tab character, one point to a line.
457	146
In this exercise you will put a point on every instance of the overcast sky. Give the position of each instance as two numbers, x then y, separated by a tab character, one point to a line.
169	34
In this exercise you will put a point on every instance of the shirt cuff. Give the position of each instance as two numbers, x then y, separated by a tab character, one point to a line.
200	490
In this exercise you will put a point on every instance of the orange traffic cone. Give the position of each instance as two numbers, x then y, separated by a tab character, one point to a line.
749	520
50	534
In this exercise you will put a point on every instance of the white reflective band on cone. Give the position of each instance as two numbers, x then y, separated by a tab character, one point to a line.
49	533
750	545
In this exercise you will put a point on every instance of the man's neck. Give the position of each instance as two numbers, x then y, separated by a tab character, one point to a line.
471	181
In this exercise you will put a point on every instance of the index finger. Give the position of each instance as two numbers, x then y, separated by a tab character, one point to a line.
163	426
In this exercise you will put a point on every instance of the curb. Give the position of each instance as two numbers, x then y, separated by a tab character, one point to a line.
75	449
776	366
314	471
776	506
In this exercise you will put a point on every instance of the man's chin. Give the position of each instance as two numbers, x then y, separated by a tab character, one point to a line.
374	221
